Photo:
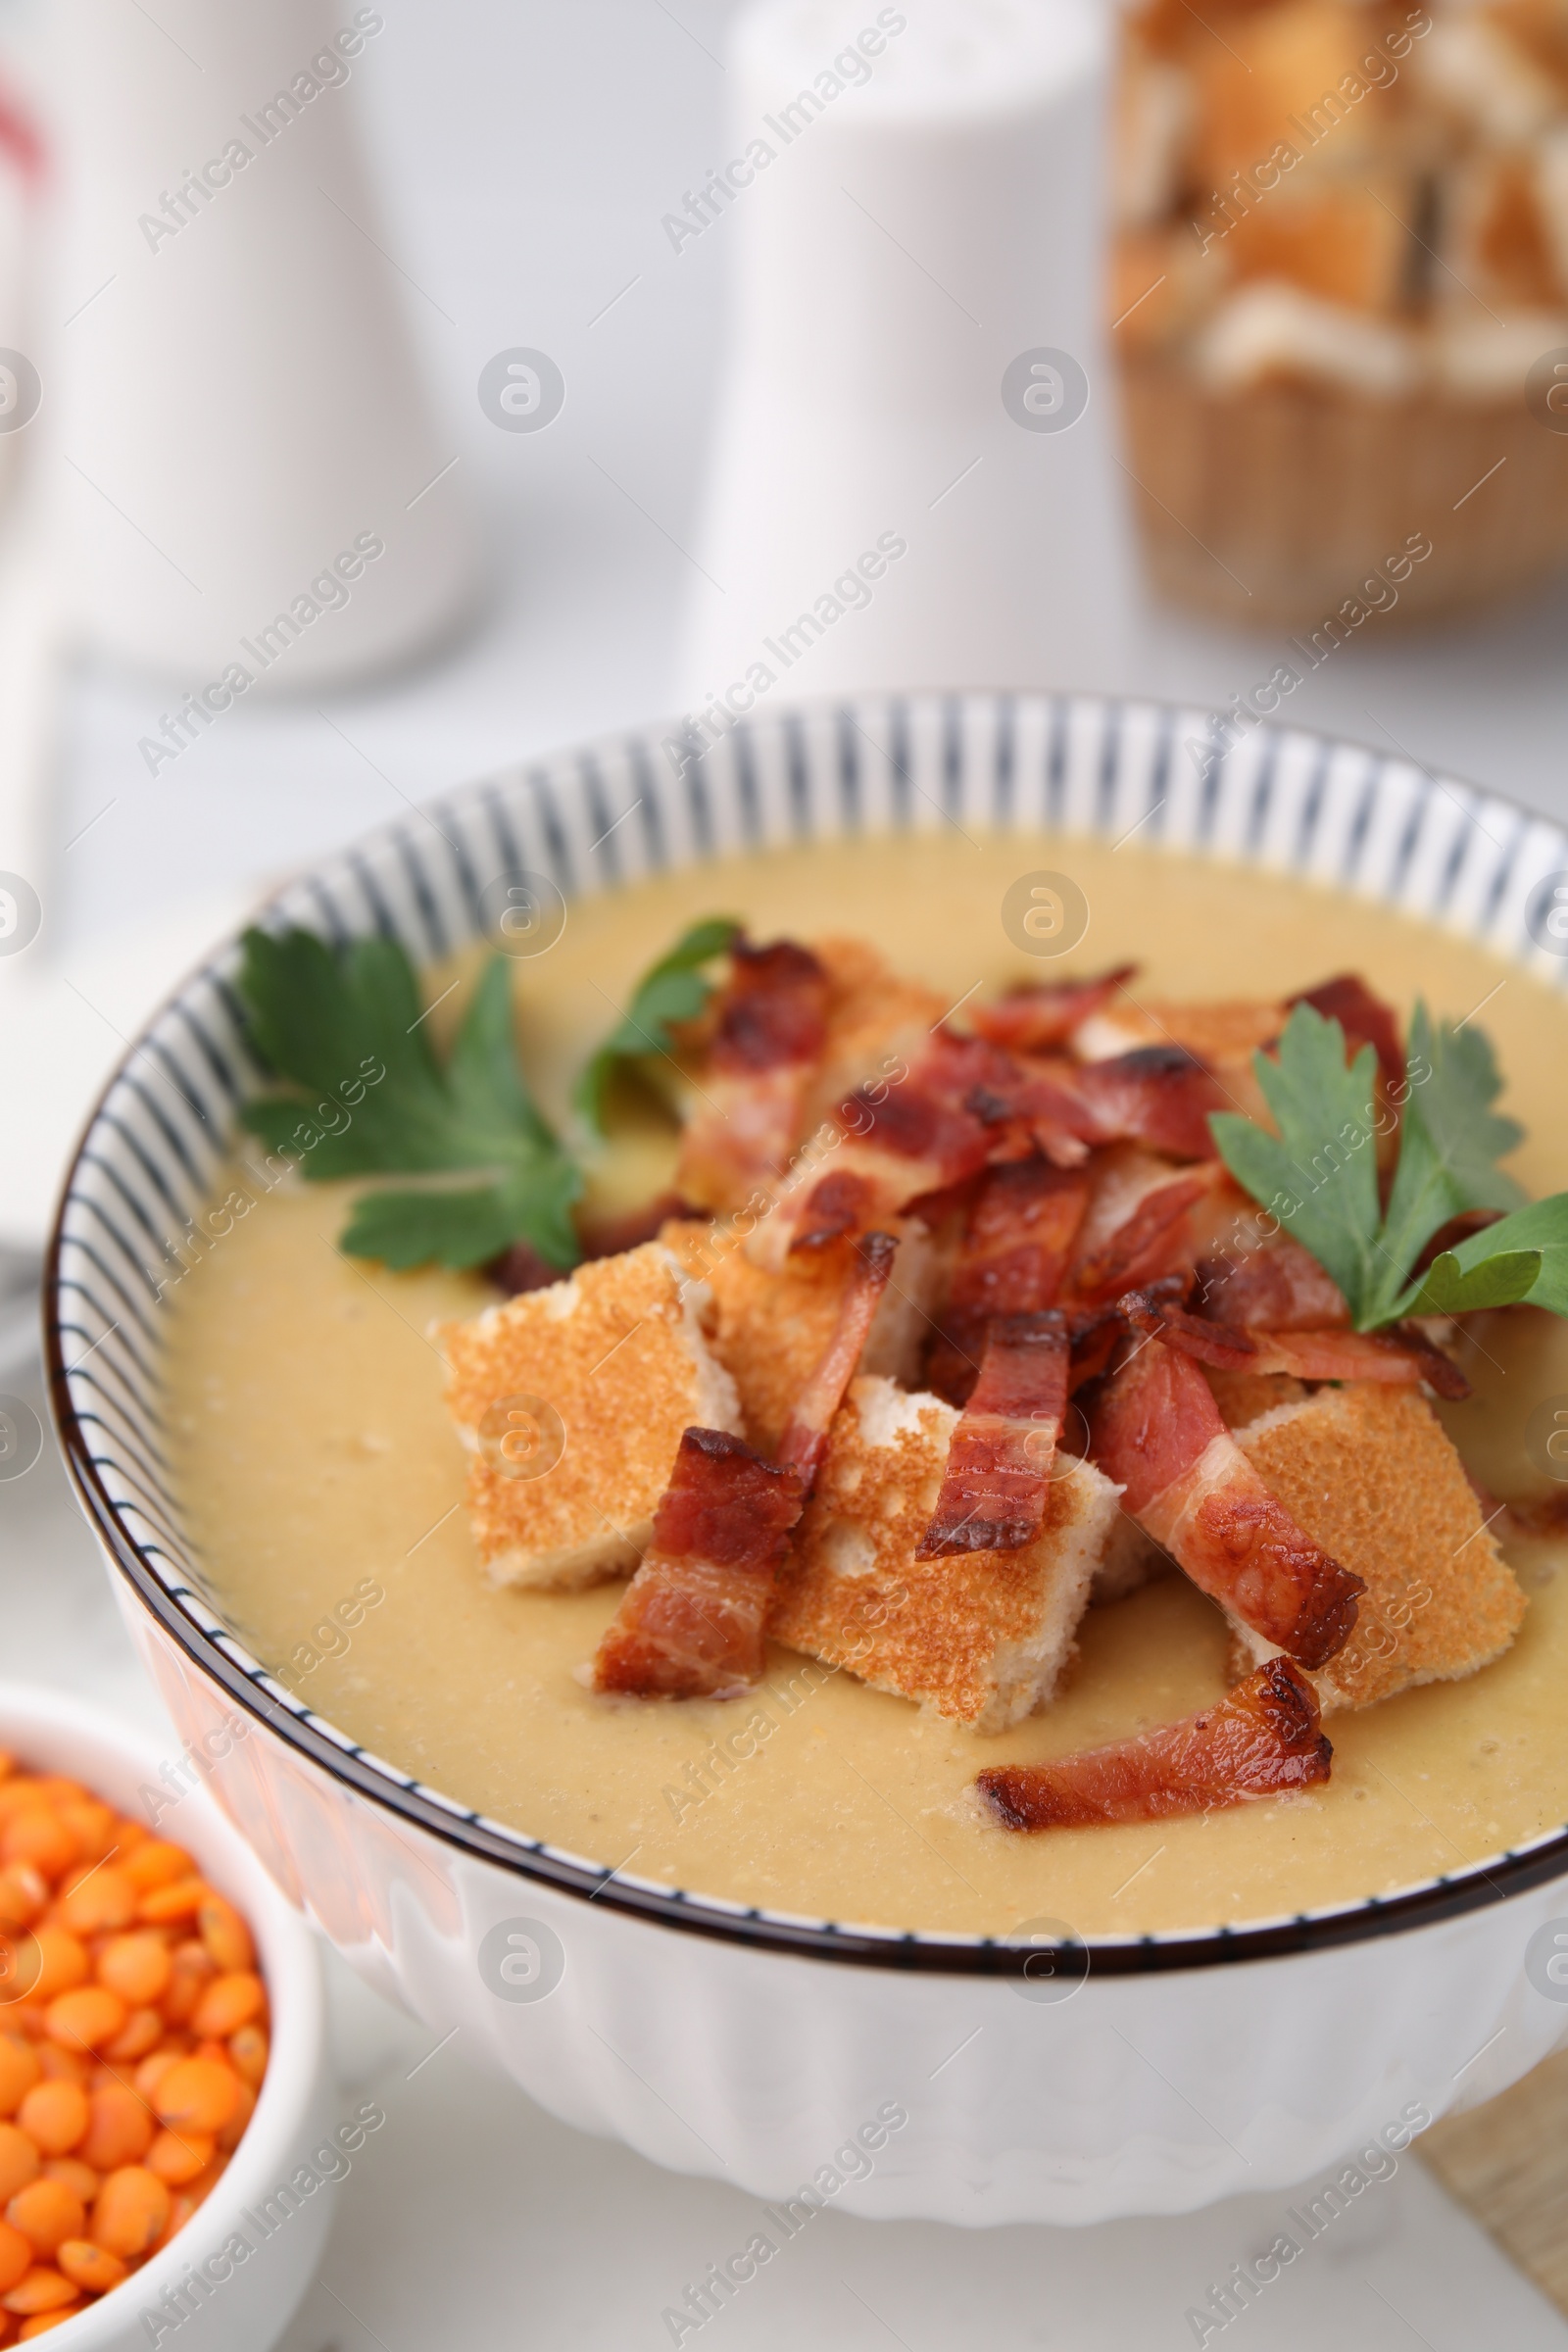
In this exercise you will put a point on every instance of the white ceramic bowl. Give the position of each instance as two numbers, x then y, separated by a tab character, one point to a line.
746	2043
244	2304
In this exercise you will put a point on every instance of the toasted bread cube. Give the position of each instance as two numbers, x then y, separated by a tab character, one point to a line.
1130	1560
1290	80
1368	1471
1503	236
874	1015
769	1330
983	1637
1347	244
619	1359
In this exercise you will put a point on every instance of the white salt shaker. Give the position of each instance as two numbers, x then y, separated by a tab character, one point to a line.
910	484
247	461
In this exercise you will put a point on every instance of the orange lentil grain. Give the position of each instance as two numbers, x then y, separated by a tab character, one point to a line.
86	2017
177	2157
47	2213
248	2053
198	2094
57	2064
230	2134
36	1833
229	2002
226	1935
132	2210
103	1900
92	1825
136	1967
182	1900
19	2160
40	2289
143	2032
152	2071
81	2179
158	1864
43	2322
16	2257
191	1971
119	2129
23	1892
90	2267
54	2116
18	2071
62	1961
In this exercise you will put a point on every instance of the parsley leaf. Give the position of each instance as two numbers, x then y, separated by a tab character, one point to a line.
676	989
1521	1259
365	1096
1449	1138
1319	1175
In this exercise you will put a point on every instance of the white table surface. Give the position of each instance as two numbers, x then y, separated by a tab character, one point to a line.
528	152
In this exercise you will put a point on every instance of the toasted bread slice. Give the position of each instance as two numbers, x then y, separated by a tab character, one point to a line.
981	1638
1368	1471
769	1330
618	1358
1130	1560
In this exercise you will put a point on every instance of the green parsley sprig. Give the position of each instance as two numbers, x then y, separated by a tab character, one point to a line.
363	1095
674	989
1319	1177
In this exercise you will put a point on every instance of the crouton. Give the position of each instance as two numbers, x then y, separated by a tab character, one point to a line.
1130	1560
872	1014
1369	1473
769	1330
619	1359
981	1638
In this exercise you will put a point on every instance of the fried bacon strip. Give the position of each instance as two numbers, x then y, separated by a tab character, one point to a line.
805	1439
1046	1013
1014	1252
900	1141
1270	1284
1159	1096
998	1473
770	1032
691	1622
1262	1740
1138	1225
1158	1431
1365	1020
1396	1356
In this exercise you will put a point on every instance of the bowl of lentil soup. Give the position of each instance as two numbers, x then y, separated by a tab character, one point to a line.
162	2067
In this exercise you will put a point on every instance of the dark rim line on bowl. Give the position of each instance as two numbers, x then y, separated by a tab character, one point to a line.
179	1610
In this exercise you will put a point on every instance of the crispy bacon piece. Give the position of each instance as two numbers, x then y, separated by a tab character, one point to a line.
1160	1096
805	1439
1138	1225
1269	1284
1262	1740
1046	1013
900	1141
1400	1355
998	1473
1011	1260
691	1622
1365	1020
770	1031
1158	1431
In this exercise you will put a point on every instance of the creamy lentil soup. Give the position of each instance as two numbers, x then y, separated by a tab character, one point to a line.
321	1474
